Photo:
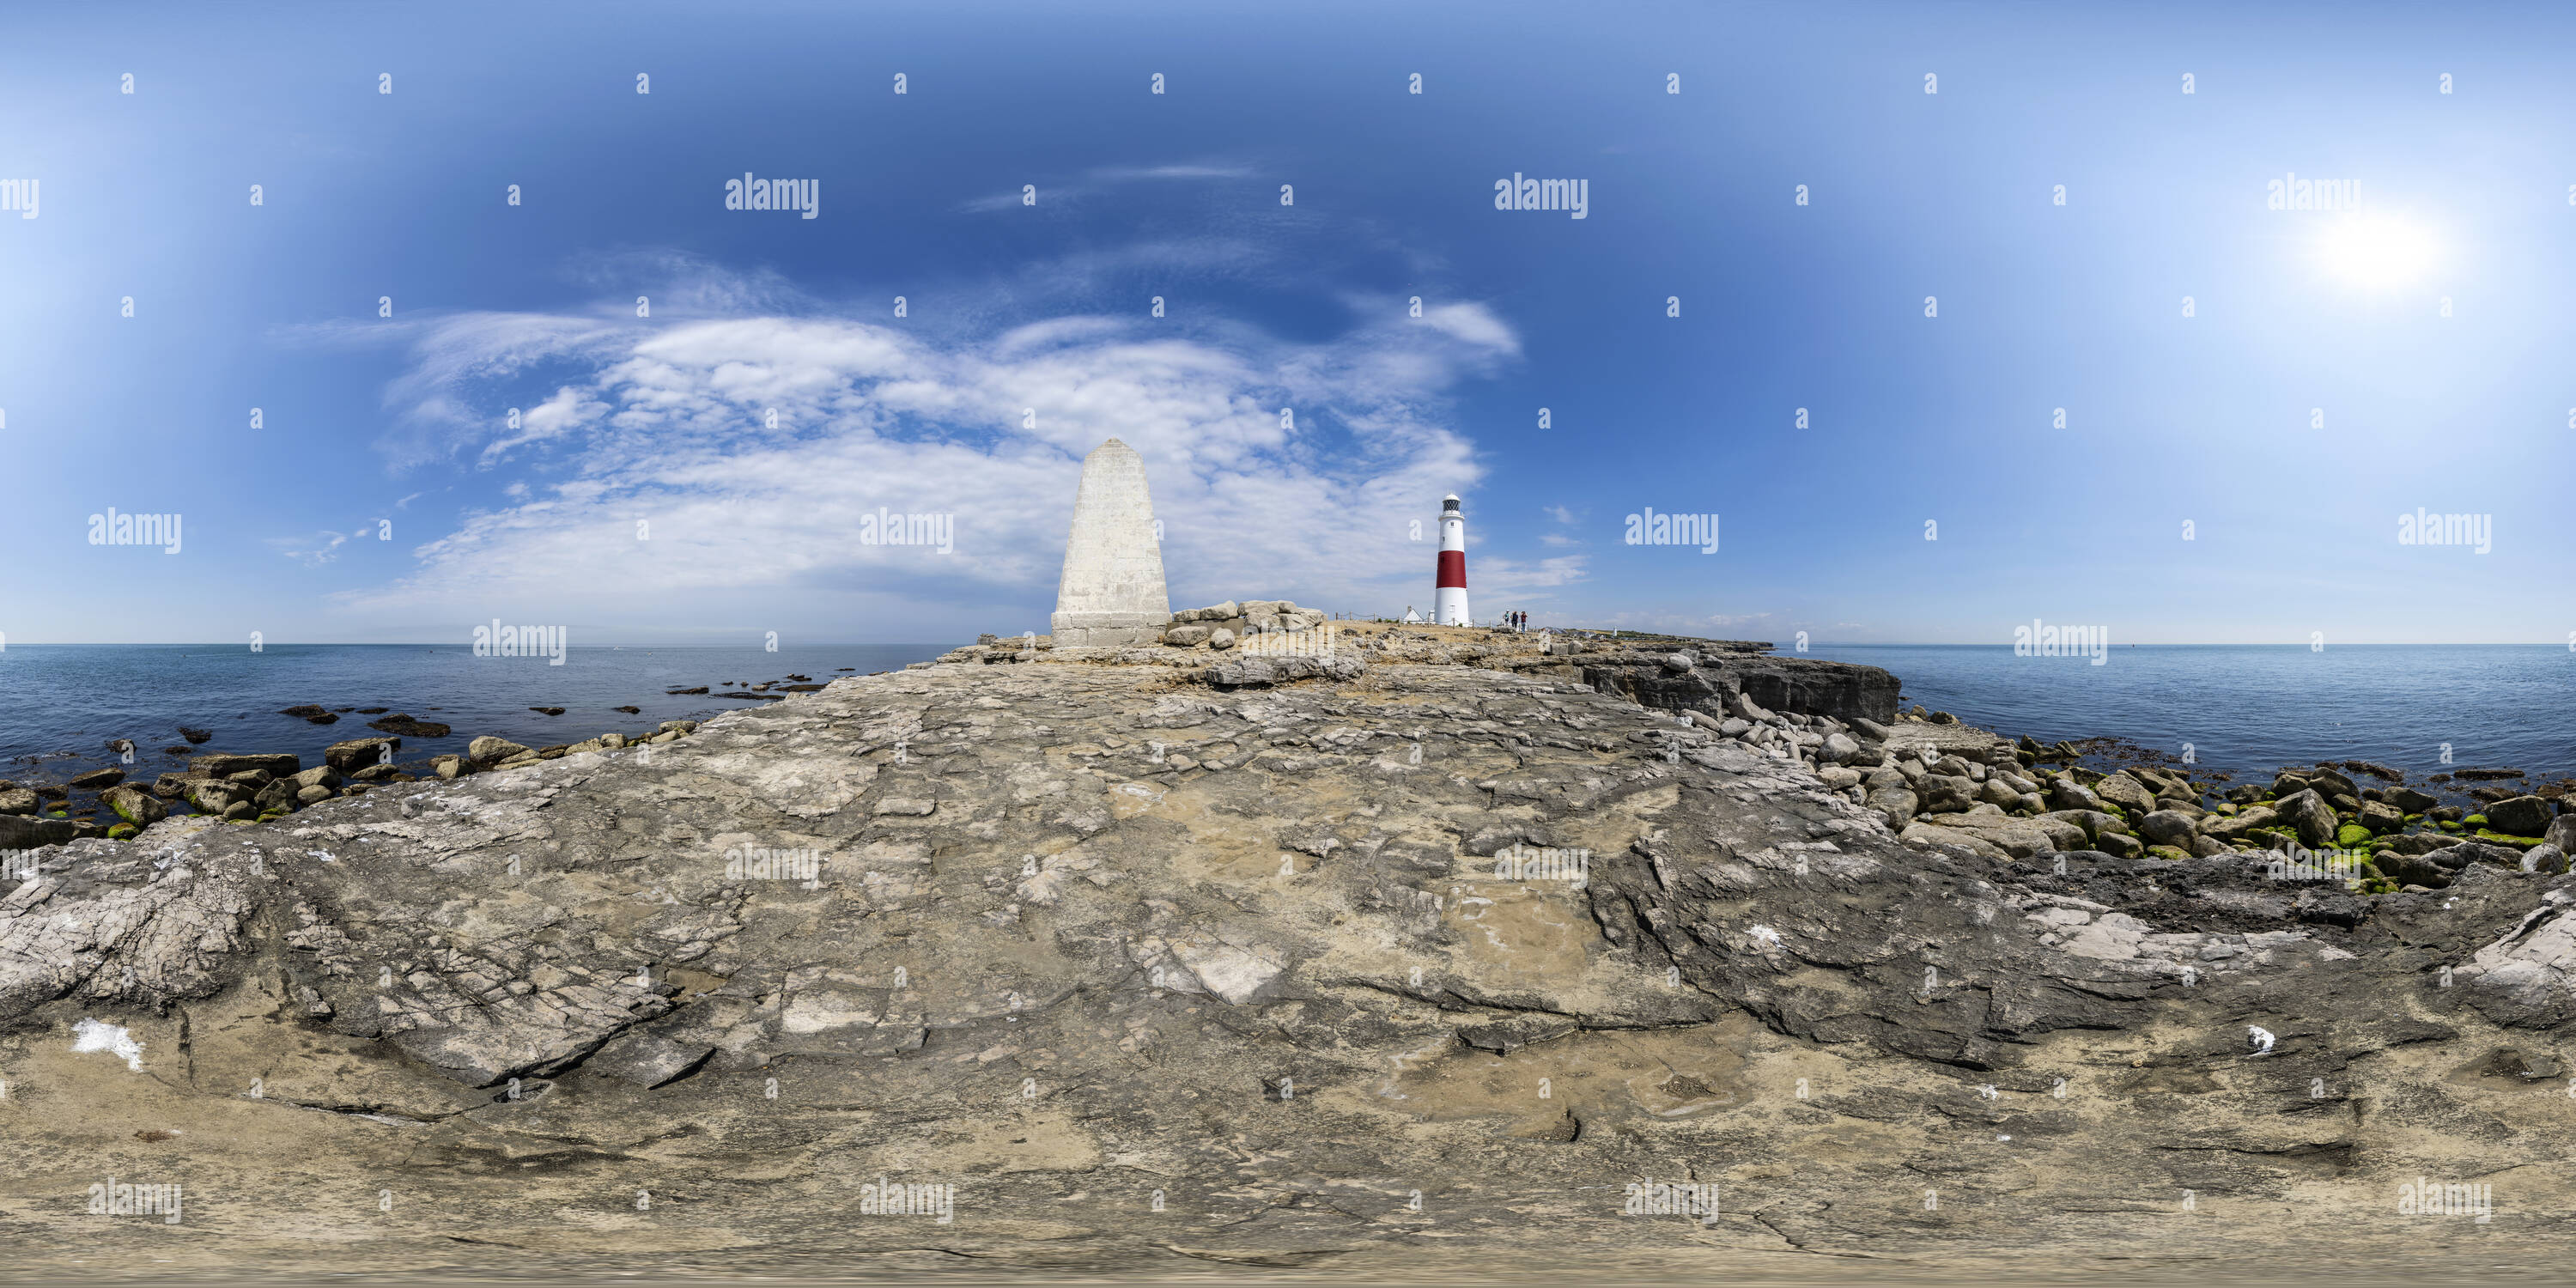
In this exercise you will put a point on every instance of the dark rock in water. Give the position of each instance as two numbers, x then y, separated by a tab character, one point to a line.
755	697
845	668
793	688
2485	775
2410	800
805	678
358	753
404	726
174	751
547	711
52	792
99	779
310	713
196	735
632	711
2380	772
678	692
373	711
222	766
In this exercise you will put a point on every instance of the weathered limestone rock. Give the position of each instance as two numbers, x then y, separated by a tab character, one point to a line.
1070	933
1112	591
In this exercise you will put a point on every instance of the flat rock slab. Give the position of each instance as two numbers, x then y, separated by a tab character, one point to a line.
1102	969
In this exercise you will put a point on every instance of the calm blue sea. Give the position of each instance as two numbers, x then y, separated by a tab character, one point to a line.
2261	707
77	697
2242	708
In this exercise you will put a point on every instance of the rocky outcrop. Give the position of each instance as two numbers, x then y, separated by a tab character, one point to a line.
1156	971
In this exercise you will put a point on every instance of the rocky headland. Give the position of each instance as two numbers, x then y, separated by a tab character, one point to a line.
1424	949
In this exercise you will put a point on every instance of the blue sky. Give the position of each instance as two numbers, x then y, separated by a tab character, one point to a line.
369	421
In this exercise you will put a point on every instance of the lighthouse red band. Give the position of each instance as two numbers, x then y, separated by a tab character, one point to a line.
1449	589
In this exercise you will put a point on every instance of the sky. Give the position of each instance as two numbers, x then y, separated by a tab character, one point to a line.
2033	344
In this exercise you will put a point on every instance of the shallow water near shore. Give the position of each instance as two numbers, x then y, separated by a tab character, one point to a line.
76	697
2242	708
2255	708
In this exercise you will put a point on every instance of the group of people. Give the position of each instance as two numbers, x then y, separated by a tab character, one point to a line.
1511	621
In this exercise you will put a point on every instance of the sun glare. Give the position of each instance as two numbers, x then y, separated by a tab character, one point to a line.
2377	251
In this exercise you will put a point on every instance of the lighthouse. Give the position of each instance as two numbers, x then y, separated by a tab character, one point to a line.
1450	588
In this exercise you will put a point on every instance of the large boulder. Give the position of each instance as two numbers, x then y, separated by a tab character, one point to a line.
2066	793
2241	824
19	800
2126	792
2520	816
2562	832
2167	827
20	832
2381	817
2062	834
280	795
1896	803
214	796
488	750
135	805
2409	800
1943	794
358	753
2315	820
1187	636
2412	869
225	766
2095	823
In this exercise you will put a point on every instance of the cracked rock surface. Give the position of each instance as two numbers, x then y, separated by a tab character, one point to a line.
1380	970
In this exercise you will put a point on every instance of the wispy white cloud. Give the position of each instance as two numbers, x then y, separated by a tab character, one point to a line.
312	549
671	422
1060	191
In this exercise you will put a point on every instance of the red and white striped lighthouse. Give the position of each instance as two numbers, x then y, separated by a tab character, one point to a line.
1449	593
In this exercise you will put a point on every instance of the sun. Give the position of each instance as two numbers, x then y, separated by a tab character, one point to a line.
2378	252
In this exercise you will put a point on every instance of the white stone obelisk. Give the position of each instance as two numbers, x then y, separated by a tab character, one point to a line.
1449	589
1112	590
